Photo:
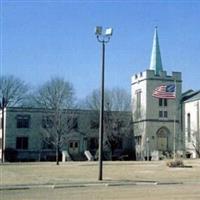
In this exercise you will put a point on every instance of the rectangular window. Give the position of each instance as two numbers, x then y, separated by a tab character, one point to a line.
138	140
138	103
160	113
73	144
22	143
165	114
160	102
76	144
73	123
47	122
163	102
189	127
23	121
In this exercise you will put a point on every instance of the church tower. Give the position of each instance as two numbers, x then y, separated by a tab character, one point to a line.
156	108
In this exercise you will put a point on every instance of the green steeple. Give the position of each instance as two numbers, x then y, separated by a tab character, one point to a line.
156	62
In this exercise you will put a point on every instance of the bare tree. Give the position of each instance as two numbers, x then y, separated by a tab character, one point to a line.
56	125
13	90
92	101
55	94
117	118
57	97
118	135
120	100
116	99
195	140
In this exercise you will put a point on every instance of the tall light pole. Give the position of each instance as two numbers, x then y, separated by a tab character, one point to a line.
148	149
3	106
103	37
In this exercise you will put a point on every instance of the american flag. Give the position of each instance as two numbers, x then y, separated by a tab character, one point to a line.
165	92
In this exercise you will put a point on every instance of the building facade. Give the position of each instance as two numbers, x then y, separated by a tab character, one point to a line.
26	133
191	123
157	121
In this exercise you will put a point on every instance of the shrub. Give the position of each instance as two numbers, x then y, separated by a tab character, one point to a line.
175	163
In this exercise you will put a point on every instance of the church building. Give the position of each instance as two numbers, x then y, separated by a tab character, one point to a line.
156	109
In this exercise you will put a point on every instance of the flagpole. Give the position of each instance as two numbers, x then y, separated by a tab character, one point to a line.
168	91
175	123
174	137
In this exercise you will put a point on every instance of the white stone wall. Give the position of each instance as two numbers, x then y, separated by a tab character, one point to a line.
138	83
150	123
191	107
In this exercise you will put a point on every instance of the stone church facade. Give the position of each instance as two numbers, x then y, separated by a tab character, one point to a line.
157	121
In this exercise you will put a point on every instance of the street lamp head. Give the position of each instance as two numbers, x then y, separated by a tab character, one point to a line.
109	32
98	30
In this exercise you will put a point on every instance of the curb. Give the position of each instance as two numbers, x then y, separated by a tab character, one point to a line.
78	185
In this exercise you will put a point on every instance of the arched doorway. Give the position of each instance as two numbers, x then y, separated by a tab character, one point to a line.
162	139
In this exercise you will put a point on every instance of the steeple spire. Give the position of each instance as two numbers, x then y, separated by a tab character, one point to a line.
156	62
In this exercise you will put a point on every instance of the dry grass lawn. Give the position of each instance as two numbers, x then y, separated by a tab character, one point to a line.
32	173
87	172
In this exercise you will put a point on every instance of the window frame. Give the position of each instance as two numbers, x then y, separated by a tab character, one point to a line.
160	114
23	121
72	123
189	127
22	143
138	102
165	102
47	122
165	114
162	102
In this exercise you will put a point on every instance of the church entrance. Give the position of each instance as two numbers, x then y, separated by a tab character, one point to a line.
162	139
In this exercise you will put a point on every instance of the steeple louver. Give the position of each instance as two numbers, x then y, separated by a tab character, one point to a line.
156	62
